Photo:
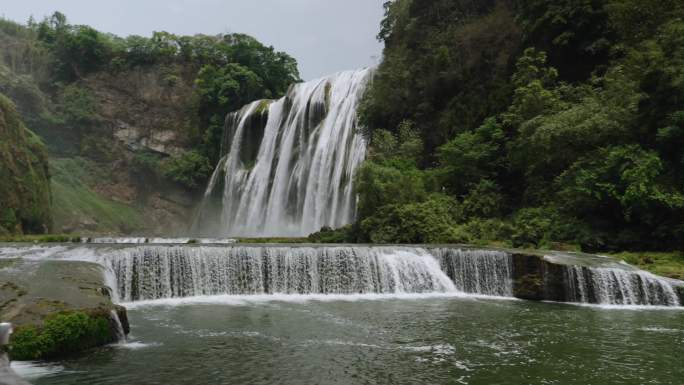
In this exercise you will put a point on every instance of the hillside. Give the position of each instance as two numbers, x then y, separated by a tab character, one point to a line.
533	123
133	125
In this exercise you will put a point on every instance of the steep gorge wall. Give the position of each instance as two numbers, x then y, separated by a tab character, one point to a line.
144	116
100	181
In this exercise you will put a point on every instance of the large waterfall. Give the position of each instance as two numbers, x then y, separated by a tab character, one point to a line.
289	164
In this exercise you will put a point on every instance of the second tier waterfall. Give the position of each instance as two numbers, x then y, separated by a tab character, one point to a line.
288	166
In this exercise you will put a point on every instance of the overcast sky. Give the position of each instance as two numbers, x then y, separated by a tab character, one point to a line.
325	36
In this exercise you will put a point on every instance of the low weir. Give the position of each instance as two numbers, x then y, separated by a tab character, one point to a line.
161	272
616	286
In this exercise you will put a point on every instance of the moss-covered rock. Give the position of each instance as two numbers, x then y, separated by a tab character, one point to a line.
24	176
58	308
62	334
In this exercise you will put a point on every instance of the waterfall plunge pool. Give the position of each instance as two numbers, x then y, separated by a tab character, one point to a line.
400	340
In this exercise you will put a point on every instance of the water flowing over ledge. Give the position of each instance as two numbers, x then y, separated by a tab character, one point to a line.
289	164
615	286
183	273
156	273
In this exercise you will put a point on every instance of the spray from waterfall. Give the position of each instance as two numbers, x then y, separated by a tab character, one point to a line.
289	165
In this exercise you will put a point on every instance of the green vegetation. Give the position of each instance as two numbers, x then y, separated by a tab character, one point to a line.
77	205
77	88
190	169
61	334
536	123
328	235
24	177
665	264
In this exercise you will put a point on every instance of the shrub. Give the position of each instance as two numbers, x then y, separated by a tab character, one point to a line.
146	162
347	234
431	221
190	169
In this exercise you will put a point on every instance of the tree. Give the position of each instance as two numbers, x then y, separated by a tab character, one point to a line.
472	156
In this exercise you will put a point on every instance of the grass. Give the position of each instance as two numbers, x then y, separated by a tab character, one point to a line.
74	202
666	264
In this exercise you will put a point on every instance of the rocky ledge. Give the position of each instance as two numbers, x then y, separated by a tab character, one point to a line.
57	308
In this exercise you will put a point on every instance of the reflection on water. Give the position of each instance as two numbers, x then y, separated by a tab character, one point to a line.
391	341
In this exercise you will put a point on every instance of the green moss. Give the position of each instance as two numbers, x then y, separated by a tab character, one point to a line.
263	106
60	334
665	264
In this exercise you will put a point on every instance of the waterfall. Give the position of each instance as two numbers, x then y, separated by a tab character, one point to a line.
478	271
155	272
289	164
613	286
118	327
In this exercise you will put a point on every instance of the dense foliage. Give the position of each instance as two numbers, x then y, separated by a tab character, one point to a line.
539	122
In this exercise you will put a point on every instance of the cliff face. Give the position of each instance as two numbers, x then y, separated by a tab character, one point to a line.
24	176
143	117
105	158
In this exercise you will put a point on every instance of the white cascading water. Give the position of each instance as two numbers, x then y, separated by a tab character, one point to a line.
483	272
289	164
610	286
156	272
